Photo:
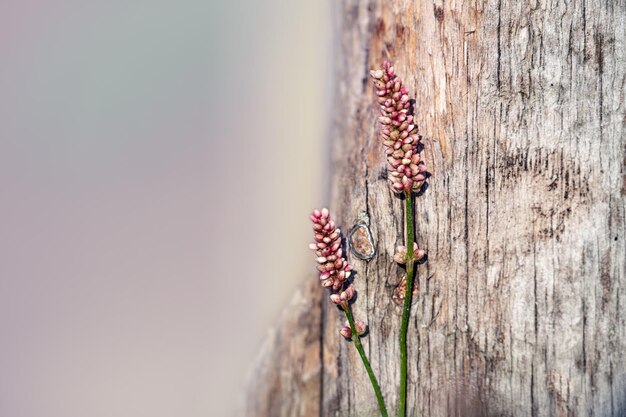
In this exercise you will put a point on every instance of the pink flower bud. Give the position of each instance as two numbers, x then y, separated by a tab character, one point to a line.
360	327
400	256
419	254
346	332
377	74
347	294
327	283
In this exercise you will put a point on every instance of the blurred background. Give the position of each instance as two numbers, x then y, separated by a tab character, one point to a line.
158	163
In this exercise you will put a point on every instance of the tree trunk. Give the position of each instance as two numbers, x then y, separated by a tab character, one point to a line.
521	306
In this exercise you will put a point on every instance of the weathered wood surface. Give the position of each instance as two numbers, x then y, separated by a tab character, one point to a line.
521	309
288	377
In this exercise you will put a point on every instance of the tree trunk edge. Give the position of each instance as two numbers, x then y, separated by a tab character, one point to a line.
520	307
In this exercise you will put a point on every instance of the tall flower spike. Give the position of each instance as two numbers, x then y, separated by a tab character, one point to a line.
399	133
333	267
334	272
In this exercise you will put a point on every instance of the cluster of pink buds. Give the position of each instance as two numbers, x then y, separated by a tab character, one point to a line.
400	255
334	268
399	132
346	331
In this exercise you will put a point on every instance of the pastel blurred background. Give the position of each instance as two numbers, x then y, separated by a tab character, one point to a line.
158	162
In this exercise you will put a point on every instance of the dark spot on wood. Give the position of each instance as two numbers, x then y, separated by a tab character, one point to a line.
439	14
580	363
605	279
364	83
557	311
550	222
550	165
599	41
365	80
512	164
385	329
624	167
400	33
379	29
553	185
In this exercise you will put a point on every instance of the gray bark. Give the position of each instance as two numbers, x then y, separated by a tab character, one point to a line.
520	309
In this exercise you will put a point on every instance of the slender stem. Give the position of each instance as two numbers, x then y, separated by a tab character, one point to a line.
366	363
410	260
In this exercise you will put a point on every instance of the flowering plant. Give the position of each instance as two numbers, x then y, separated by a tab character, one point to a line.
407	174
334	273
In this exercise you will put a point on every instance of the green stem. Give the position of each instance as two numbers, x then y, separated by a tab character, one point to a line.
410	260
366	363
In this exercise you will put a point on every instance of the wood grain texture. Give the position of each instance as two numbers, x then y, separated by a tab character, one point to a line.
521	308
287	380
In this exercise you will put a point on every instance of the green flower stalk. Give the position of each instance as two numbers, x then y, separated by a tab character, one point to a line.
406	173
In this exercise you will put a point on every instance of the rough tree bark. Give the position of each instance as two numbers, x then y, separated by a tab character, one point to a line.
521	307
